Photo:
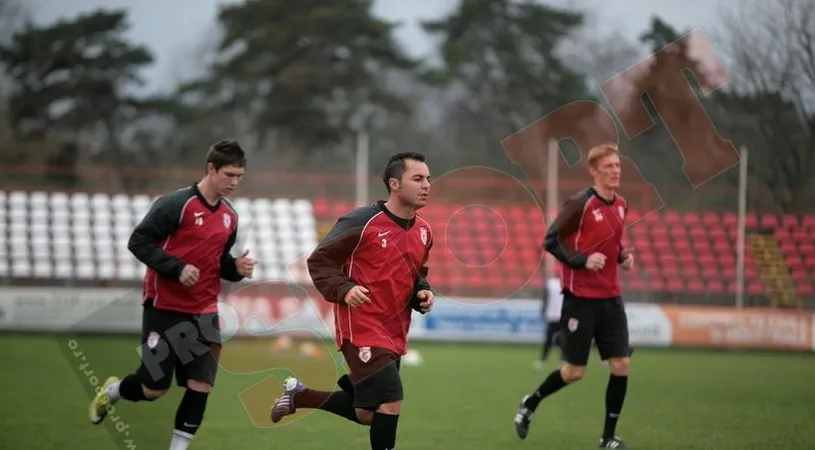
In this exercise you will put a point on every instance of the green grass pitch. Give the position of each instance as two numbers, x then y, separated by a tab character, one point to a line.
462	397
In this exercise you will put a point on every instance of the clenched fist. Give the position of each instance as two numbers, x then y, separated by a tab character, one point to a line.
245	265
189	275
357	296
596	261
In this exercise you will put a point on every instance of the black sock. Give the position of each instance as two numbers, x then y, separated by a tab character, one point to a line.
341	403
383	431
190	412
615	396
130	389
553	383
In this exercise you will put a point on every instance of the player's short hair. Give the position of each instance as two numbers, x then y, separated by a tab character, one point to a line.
226	152
397	166
601	151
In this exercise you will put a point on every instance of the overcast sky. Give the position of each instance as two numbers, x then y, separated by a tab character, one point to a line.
173	29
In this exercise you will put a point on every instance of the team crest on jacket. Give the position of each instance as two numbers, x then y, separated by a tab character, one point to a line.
423	233
227	220
365	354
621	211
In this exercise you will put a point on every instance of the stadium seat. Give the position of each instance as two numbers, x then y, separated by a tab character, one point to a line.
751	220
769	221
81	235
789	221
711	218
84	236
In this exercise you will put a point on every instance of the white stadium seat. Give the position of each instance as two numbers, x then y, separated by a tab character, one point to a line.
59	201
42	269
18	199
20	267
80	201
81	235
63	268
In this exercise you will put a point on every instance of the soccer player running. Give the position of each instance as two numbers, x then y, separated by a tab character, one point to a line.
586	237
373	266
184	240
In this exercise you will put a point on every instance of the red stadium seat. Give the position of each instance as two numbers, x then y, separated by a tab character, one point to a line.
799	235
636	284
728	273
692	218
670	271
672	217
755	288
675	286
711	218
795	262
677	252
721	246
652	271
648	259
656	284
698	234
789	221
662	244
769	221
682	246
695	287
701	246
750	220
688	260
800	276
715	287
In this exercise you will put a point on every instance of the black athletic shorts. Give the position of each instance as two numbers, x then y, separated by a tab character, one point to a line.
602	320
172	341
374	371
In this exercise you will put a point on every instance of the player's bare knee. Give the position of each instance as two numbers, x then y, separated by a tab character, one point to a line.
153	394
365	416
392	408
199	386
619	366
572	373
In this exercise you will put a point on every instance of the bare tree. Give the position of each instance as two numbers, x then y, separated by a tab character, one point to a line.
598	49
769	49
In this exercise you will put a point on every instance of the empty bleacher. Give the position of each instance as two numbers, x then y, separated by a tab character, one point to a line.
479	250
496	251
83	237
